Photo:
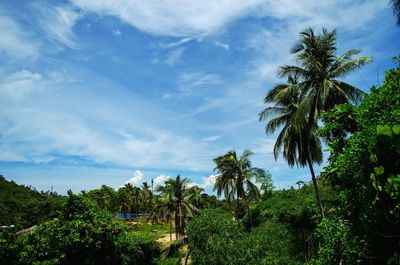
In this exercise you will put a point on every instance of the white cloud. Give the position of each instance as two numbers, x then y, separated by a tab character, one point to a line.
188	19
116	32
136	179
212	138
20	84
54	121
222	45
177	43
58	23
195	79
159	180
175	17
209	181
265	147
273	43
174	56
190	83
324	12
15	42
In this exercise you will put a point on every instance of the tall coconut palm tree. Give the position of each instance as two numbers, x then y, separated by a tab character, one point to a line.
176	190
396	10
319	70
167	208
297	139
235	178
313	86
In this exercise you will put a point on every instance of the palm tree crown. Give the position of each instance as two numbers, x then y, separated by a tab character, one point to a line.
319	70
235	178
298	141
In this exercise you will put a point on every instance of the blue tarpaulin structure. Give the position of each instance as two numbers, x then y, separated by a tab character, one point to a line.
130	216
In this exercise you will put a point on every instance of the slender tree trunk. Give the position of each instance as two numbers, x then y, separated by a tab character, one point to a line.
237	209
249	211
170	228
315	183
176	225
183	224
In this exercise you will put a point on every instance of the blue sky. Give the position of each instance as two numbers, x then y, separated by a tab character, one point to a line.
109	91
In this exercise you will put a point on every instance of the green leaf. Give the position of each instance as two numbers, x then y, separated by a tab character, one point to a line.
384	130
373	158
396	129
379	170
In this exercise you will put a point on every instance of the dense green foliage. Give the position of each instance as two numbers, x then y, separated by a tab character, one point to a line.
81	234
364	169
215	238
361	191
23	206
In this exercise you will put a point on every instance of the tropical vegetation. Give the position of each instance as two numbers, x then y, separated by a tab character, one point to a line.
313	87
349	213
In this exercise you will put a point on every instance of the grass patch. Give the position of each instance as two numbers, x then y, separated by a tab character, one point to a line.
142	228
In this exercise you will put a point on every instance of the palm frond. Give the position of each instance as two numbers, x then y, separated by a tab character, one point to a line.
349	66
396	10
292	70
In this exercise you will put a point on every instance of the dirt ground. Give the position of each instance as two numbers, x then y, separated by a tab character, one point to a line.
166	239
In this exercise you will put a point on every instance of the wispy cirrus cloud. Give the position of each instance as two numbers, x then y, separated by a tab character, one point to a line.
16	42
19	84
224	46
173	18
61	124
57	22
274	42
189	83
173	56
212	138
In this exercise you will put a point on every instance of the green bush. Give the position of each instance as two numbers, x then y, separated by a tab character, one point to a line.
364	169
215	238
211	234
82	234
338	244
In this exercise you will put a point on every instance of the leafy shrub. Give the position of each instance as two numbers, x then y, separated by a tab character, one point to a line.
338	244
215	238
364	169
83	234
211	235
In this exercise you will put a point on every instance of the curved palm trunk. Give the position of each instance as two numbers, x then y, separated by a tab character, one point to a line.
315	183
